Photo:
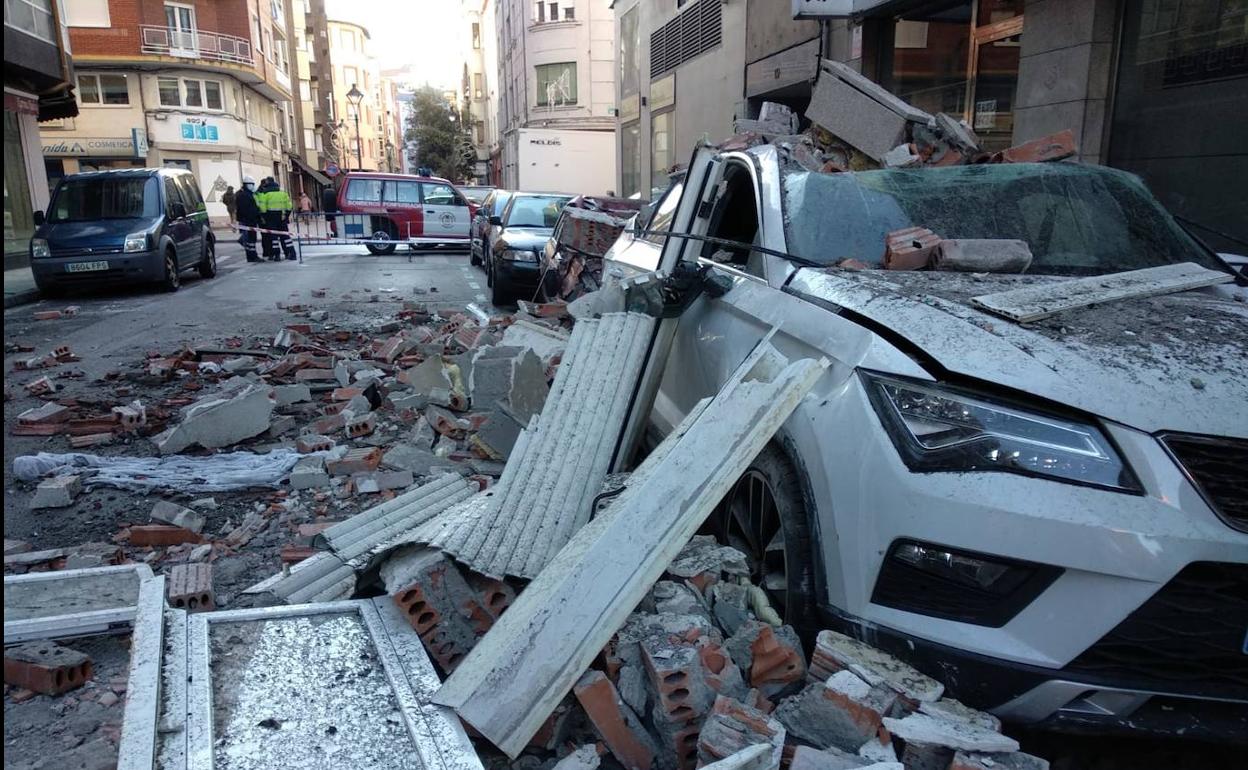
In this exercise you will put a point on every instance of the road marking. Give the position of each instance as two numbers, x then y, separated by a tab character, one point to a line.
474	285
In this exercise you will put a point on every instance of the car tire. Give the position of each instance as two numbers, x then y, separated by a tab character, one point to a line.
488	267
208	265
501	292
173	278
765	516
381	236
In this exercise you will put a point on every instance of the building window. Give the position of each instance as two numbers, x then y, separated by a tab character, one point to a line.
556	84
478	85
190	92
34	17
476	35
350	75
630	44
660	148
103	89
630	159
279	47
347	39
569	13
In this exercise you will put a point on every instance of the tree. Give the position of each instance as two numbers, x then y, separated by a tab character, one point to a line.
436	132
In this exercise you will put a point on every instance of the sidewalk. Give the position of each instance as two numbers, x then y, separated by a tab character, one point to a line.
19	287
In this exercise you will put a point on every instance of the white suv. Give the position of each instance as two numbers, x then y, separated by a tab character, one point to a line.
1051	518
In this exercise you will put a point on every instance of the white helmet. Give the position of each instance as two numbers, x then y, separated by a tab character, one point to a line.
247	180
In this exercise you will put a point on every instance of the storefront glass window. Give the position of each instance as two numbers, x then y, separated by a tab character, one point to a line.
630	159
19	222
660	148
930	57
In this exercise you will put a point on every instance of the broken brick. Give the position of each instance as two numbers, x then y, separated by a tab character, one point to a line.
345	394
733	726
46	667
846	712
40	386
49	413
357	460
48	315
190	587
293	554
618	725
90	440
160	535
910	248
1047	148
312	442
438	603
361	426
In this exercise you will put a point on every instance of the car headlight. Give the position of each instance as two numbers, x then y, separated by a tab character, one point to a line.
936	428
39	248
135	242
518	255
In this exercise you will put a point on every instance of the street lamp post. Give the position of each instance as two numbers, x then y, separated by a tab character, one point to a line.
355	96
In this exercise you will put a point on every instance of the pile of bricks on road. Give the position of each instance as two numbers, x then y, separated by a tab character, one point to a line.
703	668
858	125
374	406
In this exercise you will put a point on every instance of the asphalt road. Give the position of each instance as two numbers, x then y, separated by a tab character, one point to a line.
115	329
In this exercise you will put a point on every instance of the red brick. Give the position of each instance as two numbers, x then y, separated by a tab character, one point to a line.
90	439
190	587
1053	147
776	663
358	460
361	426
86	427
160	535
311	442
40	386
910	248
733	726
46	667
293	554
48	315
624	736
346	394
443	610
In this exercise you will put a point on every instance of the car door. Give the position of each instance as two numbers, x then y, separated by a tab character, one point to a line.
177	221
481	221
446	212
197	215
401	199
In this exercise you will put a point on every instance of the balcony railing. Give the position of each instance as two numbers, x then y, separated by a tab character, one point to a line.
195	44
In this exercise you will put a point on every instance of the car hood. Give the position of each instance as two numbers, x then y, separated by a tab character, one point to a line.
524	238
1177	362
91	234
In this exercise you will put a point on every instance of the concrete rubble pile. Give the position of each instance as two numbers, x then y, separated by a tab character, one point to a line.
857	125
590	226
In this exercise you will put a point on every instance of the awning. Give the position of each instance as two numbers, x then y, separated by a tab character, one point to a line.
317	175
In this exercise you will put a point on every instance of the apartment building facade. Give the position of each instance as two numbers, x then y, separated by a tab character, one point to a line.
1150	86
359	131
38	86
309	56
474	105
202	85
556	65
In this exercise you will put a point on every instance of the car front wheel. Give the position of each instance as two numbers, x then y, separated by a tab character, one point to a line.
381	243
172	280
764	516
208	265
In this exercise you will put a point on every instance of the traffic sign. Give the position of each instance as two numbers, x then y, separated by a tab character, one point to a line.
332	169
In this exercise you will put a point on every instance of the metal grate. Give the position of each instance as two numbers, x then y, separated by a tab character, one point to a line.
696	30
1189	637
1219	469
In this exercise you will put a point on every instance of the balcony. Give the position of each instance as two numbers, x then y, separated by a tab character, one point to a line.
195	44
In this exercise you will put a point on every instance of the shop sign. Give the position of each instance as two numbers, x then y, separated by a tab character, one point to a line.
138	136
199	130
87	147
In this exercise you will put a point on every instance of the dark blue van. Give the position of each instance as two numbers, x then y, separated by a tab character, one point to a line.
123	227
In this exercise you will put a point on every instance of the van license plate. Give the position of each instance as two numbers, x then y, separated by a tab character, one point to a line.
85	267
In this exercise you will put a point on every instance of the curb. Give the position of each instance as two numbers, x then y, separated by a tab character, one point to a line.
21	298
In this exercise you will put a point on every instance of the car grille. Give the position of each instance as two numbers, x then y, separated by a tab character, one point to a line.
1219	468
1189	637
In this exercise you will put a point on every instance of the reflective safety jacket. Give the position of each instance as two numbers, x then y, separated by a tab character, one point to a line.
274	200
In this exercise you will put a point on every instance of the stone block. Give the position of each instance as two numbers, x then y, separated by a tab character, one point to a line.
285	395
619	726
845	713
239	411
836	652
166	512
309	473
46	667
56	492
407	457
189	587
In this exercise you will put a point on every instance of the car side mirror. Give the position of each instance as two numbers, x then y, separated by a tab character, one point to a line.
39	218
179	210
496	220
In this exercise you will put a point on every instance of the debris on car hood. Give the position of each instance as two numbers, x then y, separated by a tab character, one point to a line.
1128	361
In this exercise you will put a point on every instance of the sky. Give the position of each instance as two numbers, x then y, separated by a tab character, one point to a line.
423	35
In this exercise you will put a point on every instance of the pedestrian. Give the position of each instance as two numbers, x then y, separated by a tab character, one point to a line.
275	211
230	200
248	212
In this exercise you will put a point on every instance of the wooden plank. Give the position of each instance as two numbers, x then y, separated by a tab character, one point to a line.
1034	303
137	750
799	64
519	671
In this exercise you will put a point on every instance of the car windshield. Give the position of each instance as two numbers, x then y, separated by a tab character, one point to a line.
536	210
476	194
1077	220
113	197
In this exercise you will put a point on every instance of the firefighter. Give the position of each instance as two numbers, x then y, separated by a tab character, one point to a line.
248	212
275	211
